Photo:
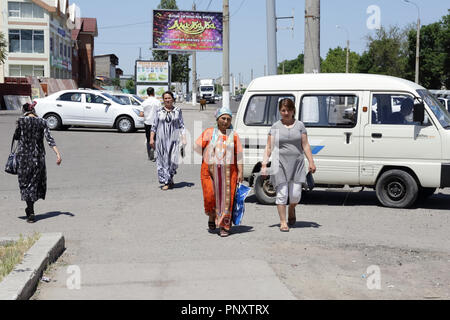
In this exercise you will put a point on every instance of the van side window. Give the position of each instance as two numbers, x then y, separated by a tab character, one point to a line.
396	109
329	110
262	110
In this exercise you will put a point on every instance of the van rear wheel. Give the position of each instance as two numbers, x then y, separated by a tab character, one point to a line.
397	189
264	191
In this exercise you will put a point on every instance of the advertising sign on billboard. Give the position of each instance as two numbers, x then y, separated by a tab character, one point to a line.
141	90
187	30
152	71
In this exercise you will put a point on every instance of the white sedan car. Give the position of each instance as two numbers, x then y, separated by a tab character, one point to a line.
88	108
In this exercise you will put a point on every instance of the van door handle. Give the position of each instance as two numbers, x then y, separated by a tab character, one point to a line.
377	135
88	107
348	135
59	105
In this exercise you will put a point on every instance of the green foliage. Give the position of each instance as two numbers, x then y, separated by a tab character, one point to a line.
336	61
434	54
386	53
115	82
292	66
3	48
130	86
168	4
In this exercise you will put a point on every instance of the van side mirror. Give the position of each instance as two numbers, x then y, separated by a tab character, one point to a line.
107	103
419	112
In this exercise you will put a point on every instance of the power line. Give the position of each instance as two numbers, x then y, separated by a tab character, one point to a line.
125	25
240	6
208	5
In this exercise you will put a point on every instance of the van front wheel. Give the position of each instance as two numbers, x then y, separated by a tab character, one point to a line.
264	191
397	189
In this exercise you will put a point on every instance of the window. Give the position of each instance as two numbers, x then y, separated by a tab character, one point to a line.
92	98
26	41
124	99
61	50
329	110
14	9
51	44
70	97
26	10
26	70
386	109
263	110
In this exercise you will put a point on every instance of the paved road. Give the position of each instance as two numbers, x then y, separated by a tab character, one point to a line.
130	240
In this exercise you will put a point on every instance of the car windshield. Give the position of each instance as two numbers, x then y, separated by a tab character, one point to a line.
138	98
438	109
116	100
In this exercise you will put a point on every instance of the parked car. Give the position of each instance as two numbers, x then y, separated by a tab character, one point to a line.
89	108
129	99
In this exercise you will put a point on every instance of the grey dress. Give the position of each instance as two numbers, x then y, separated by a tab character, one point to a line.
289	153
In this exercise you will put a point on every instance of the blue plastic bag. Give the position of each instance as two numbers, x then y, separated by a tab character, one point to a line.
242	192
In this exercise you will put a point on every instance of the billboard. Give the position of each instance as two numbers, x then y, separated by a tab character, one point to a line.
141	90
187	30
152	71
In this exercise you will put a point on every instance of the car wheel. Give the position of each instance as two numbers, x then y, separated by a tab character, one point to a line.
125	125
264	191
53	121
397	189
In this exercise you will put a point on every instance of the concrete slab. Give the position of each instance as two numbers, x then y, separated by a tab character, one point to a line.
181	280
21	283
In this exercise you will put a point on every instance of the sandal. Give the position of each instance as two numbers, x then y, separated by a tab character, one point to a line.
166	187
292	220
284	229
224	233
212	225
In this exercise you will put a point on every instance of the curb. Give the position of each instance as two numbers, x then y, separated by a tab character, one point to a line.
22	282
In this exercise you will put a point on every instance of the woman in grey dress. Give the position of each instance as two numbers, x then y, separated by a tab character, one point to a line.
31	170
167	131
289	139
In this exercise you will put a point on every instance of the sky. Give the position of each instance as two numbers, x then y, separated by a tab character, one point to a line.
125	29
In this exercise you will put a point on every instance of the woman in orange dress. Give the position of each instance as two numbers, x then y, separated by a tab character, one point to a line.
221	171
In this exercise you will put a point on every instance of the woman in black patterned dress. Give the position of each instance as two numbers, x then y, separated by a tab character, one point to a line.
32	174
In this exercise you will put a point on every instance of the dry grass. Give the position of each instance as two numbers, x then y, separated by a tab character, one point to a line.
12	254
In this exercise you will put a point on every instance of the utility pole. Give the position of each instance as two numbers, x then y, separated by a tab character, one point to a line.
271	36
312	36
194	71
226	55
251	75
348	48
417	40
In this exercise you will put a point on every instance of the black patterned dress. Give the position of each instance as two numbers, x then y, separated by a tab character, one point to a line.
31	169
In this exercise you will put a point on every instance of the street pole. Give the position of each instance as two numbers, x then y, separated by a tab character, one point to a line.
312	36
271	37
348	48
226	54
194	71
417	40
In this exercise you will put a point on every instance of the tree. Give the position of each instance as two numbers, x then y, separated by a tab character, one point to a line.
434	54
336	61
180	62
386	53
130	86
3	48
292	66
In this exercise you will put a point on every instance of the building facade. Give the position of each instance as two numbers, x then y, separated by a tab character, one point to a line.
39	37
83	63
105	65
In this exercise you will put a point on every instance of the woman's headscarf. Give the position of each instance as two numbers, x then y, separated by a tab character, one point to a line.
221	111
230	131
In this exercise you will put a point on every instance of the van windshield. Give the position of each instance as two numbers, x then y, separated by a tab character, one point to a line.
209	88
436	107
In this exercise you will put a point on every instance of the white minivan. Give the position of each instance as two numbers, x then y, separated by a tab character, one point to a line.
89	108
354	140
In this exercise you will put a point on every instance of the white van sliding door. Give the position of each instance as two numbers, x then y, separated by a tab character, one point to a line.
331	121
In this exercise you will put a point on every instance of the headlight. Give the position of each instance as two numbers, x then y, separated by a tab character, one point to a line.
138	112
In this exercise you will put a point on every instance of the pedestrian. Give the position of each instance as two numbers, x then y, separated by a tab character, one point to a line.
221	171
167	131
289	139
150	105
31	170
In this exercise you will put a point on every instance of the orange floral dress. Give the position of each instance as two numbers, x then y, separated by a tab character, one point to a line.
219	173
